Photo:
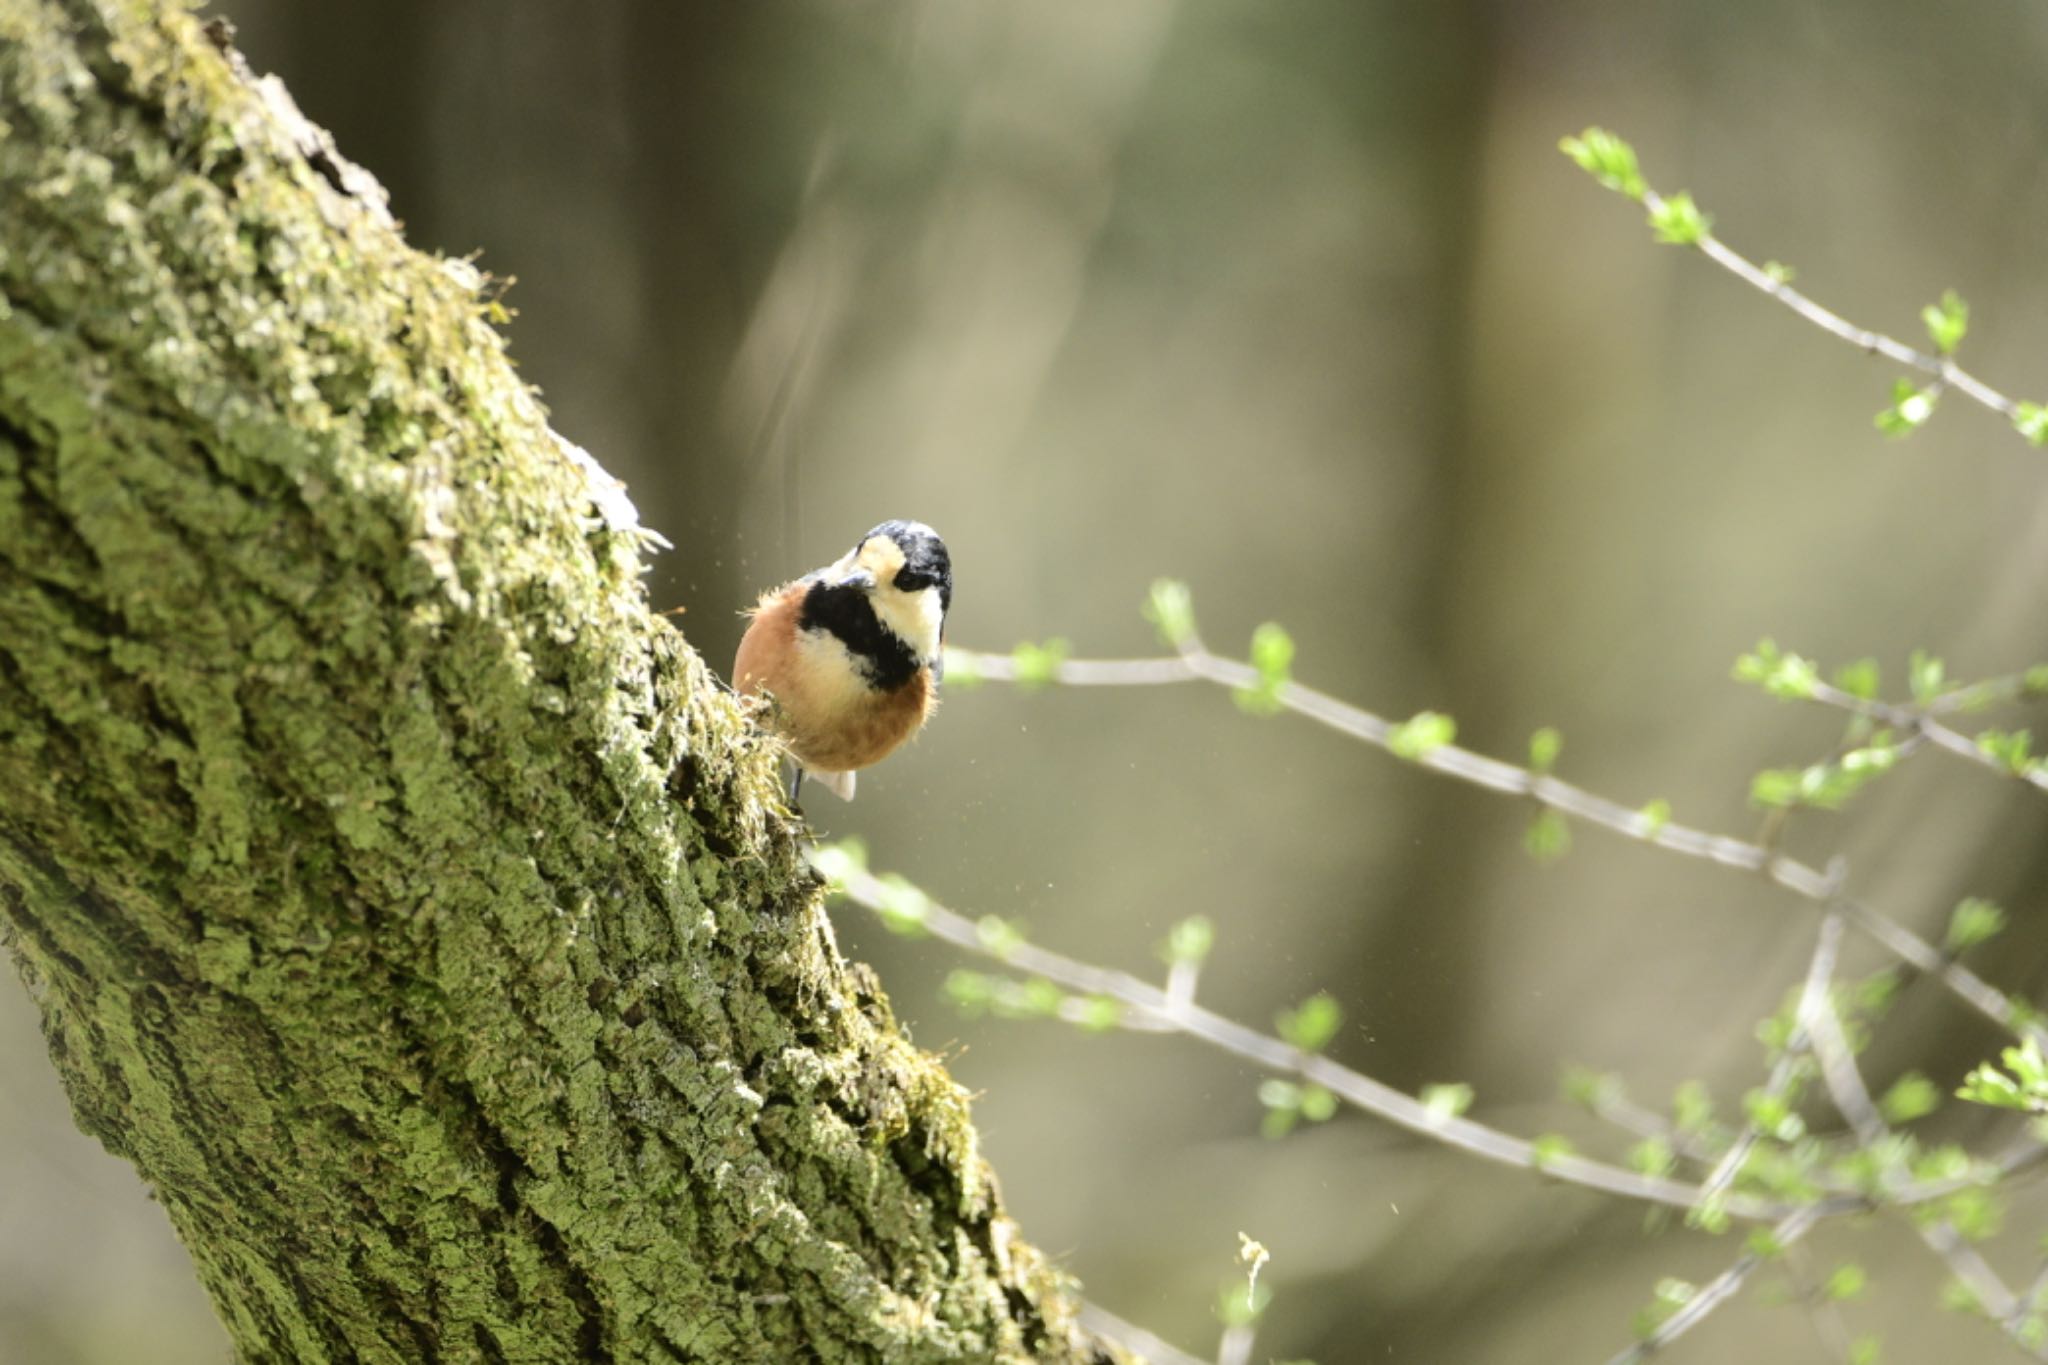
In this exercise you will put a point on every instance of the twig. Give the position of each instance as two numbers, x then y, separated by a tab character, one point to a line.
1920	721
2029	1299
1147	1008
1822	1310
1153	1010
1851	1097
1820	972
1943	370
1195	663
1716	1291
1625	1114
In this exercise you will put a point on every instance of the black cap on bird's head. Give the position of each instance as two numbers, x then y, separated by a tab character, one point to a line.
925	561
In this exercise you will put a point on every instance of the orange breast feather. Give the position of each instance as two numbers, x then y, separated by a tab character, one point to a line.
823	706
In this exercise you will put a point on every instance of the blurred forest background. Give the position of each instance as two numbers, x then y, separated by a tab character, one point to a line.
1299	302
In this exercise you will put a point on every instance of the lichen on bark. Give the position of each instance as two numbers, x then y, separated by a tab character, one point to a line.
407	903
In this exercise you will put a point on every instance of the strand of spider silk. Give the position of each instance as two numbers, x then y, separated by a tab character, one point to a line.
1197	664
1158	1012
1862	338
1851	1098
1716	1291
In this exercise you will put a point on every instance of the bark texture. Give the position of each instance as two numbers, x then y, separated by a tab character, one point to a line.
409	906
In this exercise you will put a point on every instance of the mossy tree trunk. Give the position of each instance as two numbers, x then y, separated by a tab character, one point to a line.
405	902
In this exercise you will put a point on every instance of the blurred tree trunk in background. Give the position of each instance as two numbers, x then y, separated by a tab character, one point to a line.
410	908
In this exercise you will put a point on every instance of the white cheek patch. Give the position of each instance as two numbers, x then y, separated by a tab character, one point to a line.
913	617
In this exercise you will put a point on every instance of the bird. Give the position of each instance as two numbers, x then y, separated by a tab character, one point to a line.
847	659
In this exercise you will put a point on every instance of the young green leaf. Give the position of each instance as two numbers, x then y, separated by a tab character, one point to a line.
1099	1013
1421	735
1282	1100
2031	421
1669	1296
1710	1215
1909	410
1035	998
1975	1212
1311	1025
1677	221
1947	321
1778	673
1973	921
1590	1089
904	906
1037	666
1692	1107
1773	1116
999	936
2022	1085
971	991
1654	815
1653	1156
1189	941
1845	1281
1763	1244
1607	159
1859	679
1446	1102
2010	749
1544	747
1170	607
1826	786
1549	836
1272	654
1912	1096
1925	675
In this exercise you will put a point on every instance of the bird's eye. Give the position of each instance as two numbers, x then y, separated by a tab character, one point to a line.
912	580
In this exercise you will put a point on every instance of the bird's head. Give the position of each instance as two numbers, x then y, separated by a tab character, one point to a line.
903	568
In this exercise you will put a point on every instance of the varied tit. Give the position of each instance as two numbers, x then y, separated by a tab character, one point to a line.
848	655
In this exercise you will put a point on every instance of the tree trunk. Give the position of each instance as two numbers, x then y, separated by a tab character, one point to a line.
410	907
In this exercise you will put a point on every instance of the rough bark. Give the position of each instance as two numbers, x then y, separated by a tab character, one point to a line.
407	904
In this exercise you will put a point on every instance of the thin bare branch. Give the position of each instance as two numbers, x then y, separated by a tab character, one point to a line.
1150	1008
1196	664
1851	1097
1944	371
1820	973
1716	1291
1920	721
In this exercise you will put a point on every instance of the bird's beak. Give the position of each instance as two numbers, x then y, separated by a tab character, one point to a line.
859	578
